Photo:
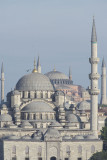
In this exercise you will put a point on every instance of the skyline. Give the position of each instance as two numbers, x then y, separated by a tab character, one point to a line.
59	32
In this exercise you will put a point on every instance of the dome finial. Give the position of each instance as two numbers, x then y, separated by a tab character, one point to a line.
34	70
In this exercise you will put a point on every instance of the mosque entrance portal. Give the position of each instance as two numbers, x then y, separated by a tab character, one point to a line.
53	158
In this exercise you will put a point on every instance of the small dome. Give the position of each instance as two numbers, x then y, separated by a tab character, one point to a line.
73	118
26	137
78	137
34	82
37	106
59	93
13	137
55	124
52	132
56	75
4	106
91	137
38	135
5	118
66	137
25	124
15	92
84	105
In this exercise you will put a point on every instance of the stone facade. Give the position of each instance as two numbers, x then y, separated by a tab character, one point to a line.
38	123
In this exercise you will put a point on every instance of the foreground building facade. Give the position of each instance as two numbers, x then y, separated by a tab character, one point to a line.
35	124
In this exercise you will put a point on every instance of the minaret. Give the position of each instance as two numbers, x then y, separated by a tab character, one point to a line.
103	84
34	70
70	75
94	76
38	65
2	83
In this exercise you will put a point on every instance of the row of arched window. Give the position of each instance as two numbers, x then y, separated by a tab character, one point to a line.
34	116
27	150
31	94
80	149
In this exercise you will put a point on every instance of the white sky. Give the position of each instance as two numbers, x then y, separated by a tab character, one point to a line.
58	30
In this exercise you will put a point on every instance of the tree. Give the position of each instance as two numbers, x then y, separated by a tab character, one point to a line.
99	156
104	132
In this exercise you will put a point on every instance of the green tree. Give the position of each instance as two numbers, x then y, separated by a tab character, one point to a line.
104	132
99	156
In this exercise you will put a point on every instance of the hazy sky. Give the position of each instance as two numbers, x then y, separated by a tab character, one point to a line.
58	31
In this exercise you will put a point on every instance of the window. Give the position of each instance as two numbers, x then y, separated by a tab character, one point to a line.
27	150
79	149
66	158
26	158
92	149
79	158
14	158
14	150
39	151
68	150
39	158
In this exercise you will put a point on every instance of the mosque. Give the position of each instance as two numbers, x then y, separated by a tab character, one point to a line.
37	124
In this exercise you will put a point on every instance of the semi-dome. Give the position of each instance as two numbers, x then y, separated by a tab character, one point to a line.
52	132
27	137
73	118
26	124
91	136
56	75
34	82
37	106
84	105
5	118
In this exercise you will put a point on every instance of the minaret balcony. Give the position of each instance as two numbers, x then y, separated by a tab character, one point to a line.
94	76
94	60
94	91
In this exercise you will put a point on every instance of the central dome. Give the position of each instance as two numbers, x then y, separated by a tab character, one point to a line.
34	82
56	75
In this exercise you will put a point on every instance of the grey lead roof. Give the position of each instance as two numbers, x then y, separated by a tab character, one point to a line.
37	106
34	82
56	75
93	36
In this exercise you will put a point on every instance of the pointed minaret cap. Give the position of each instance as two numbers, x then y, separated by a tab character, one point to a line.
2	68
103	63
38	62
93	36
34	70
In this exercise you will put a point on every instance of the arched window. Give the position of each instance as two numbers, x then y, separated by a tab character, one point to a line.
27	150
41	125
92	149
79	149
14	150
28	94
46	116
39	151
68	150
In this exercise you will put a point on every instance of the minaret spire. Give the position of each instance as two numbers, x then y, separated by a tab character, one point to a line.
2	83
70	75
93	35
34	70
103	84
94	76
38	65
103	63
